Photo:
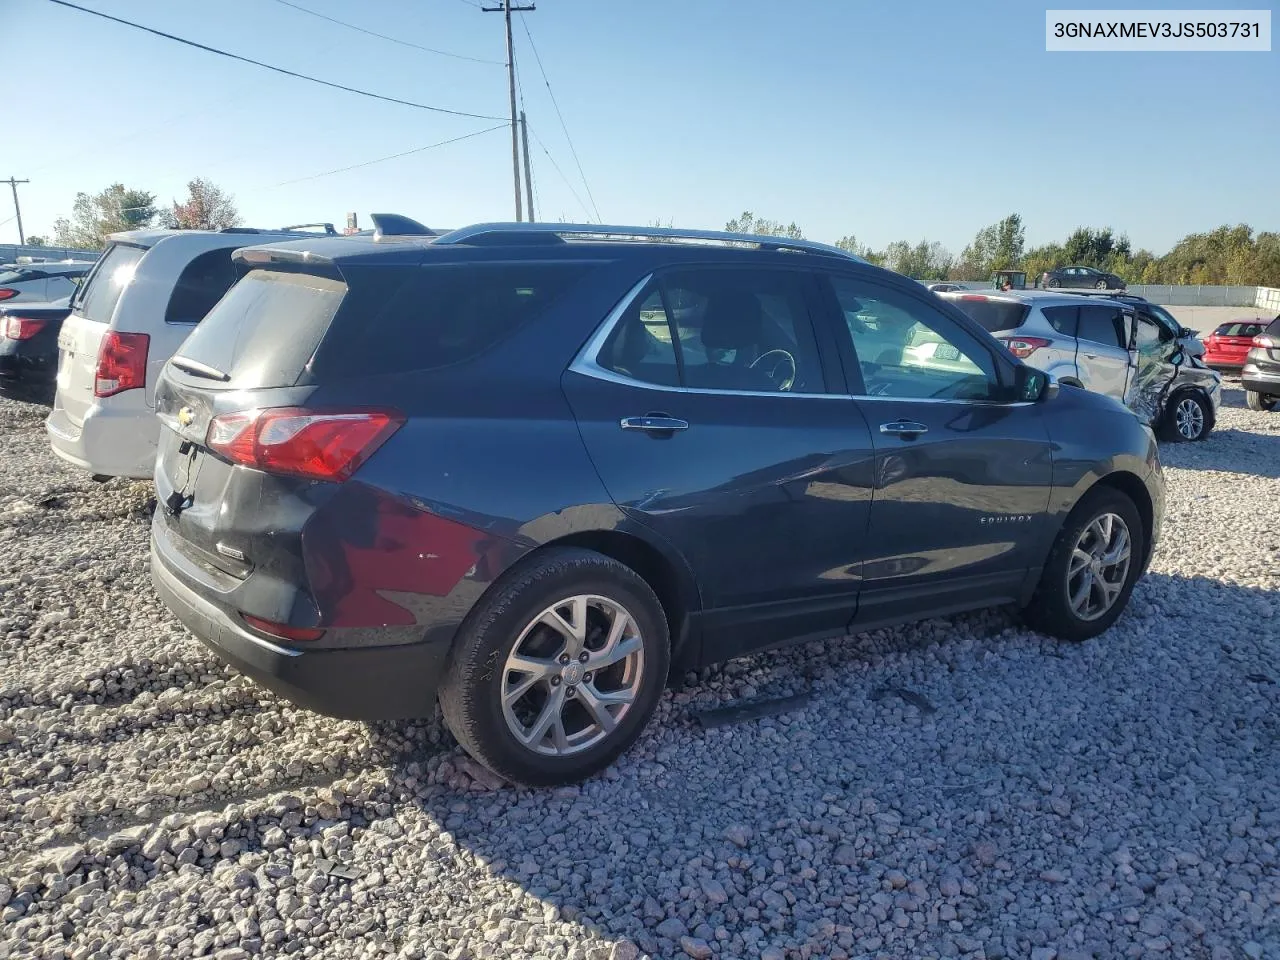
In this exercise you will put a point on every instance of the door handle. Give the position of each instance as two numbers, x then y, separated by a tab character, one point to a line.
907	429
1091	356
654	423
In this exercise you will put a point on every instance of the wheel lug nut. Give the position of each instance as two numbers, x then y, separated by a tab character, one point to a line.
583	657
570	691
564	658
555	681
586	678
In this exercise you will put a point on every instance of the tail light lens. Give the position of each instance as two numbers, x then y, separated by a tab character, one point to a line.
1262	340
23	328
7	293
316	444
1023	347
282	630
122	363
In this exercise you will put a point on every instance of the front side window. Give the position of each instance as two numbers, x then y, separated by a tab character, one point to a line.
1150	335
907	349
719	329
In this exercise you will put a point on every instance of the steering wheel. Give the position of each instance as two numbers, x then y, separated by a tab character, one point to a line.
781	363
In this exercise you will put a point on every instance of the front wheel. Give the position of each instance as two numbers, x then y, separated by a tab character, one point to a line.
1259	401
1100	285
1091	569
557	671
1054	282
1188	418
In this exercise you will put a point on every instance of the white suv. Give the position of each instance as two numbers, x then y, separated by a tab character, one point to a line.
145	295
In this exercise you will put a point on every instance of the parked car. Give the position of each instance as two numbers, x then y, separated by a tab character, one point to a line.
536	472
1081	277
29	347
145	295
943	287
1124	350
1260	375
41	282
1229	344
1188	339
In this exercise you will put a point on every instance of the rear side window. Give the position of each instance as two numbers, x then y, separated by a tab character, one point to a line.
263	332
1104	325
200	286
98	299
1273	328
439	316
993	316
20	276
1062	319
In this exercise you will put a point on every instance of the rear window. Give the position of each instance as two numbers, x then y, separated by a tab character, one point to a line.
263	332
1239	329
200	286
18	276
1273	328
440	316
114	271
993	315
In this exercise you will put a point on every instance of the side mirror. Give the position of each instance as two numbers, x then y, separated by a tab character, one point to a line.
1186	333
1031	385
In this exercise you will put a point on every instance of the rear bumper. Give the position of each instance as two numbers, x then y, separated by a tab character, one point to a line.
1260	380
113	442
365	683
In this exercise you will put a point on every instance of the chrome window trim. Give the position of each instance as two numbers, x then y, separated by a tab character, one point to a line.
586	364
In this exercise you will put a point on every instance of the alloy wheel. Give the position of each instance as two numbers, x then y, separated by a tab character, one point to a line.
1189	418
572	675
1099	566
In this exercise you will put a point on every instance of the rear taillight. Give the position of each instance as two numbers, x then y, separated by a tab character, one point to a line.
23	328
282	630
1262	340
7	293
317	444
1023	347
122	363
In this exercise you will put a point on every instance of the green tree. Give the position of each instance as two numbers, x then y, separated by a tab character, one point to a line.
995	247
749	223
207	207
37	242
922	261
94	218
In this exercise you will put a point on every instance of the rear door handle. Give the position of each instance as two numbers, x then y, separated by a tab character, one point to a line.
907	429
654	424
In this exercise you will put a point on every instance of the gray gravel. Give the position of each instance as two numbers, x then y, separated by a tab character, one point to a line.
956	788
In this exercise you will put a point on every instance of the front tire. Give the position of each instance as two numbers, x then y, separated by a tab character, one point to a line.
1101	285
1259	401
1054	282
1188	418
1091	570
556	672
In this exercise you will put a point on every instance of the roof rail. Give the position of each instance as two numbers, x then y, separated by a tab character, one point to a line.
518	233
328	228
397	225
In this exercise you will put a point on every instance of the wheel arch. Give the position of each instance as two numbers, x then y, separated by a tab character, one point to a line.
1132	486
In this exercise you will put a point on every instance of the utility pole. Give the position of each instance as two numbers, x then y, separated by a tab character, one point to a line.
528	174
508	9
22	240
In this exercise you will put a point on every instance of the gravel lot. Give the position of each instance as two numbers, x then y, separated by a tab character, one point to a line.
957	788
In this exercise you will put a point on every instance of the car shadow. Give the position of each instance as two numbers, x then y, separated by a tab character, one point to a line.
783	831
1228	450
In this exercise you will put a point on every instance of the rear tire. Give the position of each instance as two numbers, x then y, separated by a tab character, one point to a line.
562	615
1101	285
1188	417
1259	401
1054	282
1056	607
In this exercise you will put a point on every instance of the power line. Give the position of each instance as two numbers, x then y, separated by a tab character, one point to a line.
556	166
560	115
394	156
383	36
267	66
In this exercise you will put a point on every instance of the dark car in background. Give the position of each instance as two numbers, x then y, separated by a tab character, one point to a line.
1260	375
535	471
29	348
41	282
1081	277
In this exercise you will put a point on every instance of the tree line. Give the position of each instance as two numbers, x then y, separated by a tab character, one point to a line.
1226	255
94	217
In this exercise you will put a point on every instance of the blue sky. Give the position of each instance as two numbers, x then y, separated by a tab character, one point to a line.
884	120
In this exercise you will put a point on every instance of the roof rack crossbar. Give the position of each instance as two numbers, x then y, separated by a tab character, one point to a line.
613	232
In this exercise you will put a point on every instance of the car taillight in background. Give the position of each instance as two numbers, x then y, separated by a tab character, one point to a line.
122	363
7	293
1023	347
318	445
1264	340
22	328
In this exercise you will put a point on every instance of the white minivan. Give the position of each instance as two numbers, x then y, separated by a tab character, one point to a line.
145	295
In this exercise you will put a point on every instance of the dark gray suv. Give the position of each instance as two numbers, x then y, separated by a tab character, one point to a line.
534	469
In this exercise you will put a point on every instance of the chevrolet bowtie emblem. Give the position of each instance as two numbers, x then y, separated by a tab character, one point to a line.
186	415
